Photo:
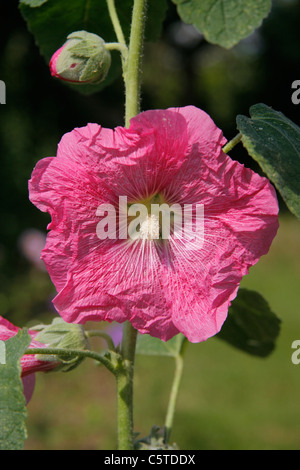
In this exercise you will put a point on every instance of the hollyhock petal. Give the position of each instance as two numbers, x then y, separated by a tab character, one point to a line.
7	329
162	287
207	135
29	363
53	62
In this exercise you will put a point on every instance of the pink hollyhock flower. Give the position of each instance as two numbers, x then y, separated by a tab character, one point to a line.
162	287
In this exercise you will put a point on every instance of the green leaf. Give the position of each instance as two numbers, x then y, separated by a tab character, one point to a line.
54	20
251	325
224	22
274	142
13	411
150	346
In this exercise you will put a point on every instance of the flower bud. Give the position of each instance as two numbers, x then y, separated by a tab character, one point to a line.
62	335
82	59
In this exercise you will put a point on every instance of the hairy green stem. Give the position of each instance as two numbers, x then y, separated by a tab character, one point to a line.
115	21
173	395
69	353
124	377
117	46
121	44
101	334
133	65
232	143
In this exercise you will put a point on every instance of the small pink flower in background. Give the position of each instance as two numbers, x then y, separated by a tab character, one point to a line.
115	331
31	243
162	287
29	363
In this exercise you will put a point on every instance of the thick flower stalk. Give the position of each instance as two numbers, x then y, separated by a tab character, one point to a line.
113	268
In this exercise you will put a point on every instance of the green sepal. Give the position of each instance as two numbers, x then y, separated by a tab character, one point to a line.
62	335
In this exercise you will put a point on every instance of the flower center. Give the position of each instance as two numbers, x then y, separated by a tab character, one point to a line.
147	225
149	228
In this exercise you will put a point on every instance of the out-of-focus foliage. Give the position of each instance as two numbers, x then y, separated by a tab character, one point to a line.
224	22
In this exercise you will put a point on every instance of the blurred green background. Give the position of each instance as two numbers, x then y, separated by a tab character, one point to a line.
228	400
